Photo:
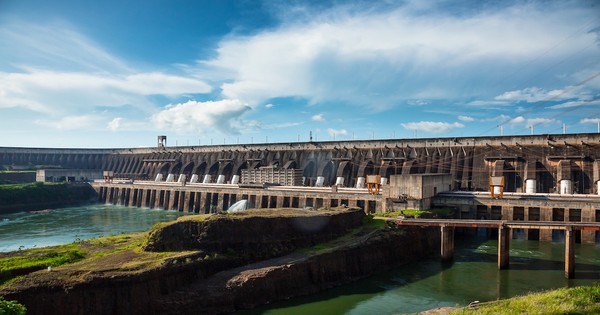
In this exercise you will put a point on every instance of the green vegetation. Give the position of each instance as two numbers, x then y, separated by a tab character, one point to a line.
431	213
368	221
577	300
11	307
42	195
33	193
38	259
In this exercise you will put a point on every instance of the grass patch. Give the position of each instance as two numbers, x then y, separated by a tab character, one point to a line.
368	221
114	255
430	213
38	259
577	300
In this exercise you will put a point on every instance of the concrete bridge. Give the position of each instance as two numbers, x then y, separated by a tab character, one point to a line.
504	235
533	164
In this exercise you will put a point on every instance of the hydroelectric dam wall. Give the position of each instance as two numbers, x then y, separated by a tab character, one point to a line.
546	177
535	164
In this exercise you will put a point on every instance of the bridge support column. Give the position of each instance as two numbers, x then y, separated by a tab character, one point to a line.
569	253
171	203
130	201
447	238
110	196
232	200
587	215
220	202
188	203
153	199
503	246
101	194
546	215
183	198
197	202
302	202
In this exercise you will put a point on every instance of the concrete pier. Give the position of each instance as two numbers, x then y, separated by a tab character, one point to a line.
569	253
503	246
447	239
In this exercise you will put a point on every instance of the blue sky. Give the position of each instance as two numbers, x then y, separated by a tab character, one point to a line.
119	73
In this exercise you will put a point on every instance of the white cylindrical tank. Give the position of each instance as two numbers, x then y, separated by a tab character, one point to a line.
339	181
566	187
530	186
320	181
207	179
360	182
159	177
497	190
235	179
170	178
221	179
194	178
181	178
383	181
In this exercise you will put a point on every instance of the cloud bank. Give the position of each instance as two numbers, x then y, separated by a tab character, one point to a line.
193	116
432	126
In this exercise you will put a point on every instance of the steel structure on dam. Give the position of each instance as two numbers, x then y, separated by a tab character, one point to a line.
535	164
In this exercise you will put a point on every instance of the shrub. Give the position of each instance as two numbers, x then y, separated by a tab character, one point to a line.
11	307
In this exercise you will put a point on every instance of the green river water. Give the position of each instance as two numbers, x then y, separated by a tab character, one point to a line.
472	276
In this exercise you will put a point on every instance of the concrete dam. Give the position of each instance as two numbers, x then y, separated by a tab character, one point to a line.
544	177
536	164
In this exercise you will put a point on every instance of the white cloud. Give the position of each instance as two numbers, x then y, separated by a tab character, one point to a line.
590	121
126	124
53	45
488	103
193	116
114	124
577	103
500	118
281	125
540	121
534	94
58	92
431	126
379	58
517	120
269	106
71	122
466	118
337	132
521	121
318	117
53	69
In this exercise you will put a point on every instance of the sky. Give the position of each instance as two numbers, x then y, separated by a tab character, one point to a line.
118	73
